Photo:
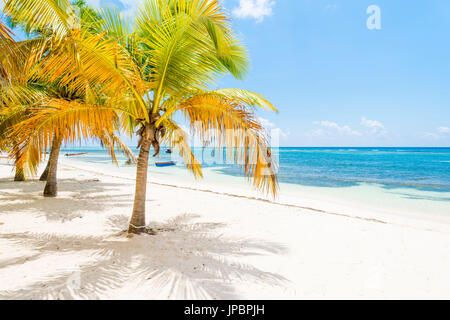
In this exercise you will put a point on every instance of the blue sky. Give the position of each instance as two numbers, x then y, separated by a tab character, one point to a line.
337	83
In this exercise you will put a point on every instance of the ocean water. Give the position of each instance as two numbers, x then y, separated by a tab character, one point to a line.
425	169
412	183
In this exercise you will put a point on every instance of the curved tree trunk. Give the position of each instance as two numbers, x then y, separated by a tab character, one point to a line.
51	188
137	223
20	175
44	174
54	150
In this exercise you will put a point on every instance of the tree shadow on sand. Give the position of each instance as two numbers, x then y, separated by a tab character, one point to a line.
75	196
184	260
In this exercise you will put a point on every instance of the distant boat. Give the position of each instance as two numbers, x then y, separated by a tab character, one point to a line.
168	151
75	154
165	164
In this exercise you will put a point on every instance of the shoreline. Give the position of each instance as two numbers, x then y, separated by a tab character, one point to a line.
261	199
291	195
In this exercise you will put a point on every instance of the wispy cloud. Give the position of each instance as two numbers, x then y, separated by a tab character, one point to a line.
266	122
440	133
443	130
375	126
337	128
273	129
254	9
431	135
330	129
127	7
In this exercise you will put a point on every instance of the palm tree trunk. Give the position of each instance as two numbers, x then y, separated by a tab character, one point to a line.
54	150
19	176
51	188
44	174
137	223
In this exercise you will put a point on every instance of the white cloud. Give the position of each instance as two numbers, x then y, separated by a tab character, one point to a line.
440	133
266	123
273	129
431	135
282	133
127	7
341	129
328	124
375	126
130	3
444	130
256	9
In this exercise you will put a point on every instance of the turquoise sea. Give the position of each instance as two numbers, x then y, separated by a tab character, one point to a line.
419	168
391	183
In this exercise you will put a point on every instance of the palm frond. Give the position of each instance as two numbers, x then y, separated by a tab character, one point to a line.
111	141
222	121
244	97
70	120
115	24
184	42
56	15
87	61
10	55
5	33
175	137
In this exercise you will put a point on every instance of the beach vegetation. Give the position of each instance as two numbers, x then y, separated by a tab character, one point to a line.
139	77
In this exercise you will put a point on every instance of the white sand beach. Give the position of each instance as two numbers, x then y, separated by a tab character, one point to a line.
210	244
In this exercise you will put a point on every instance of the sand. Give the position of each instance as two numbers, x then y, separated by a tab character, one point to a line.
210	244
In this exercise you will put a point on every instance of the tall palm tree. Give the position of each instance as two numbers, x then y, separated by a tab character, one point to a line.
181	47
11	59
21	119
164	67
64	37
8	118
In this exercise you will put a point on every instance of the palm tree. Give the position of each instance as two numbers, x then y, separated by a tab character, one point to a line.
164	67
65	38
7	143
77	114
7	46
181	47
11	58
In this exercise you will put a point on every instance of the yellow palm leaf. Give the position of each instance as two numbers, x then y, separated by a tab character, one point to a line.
56	15
223	121
188	44
69	120
175	137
